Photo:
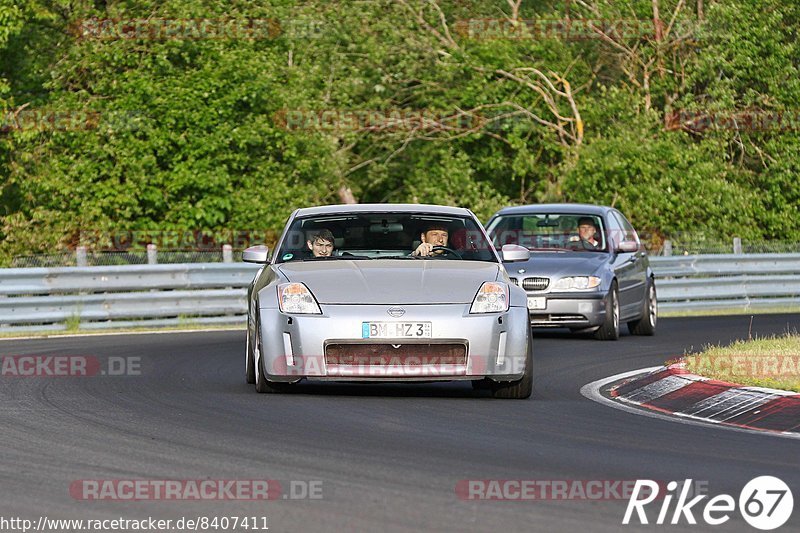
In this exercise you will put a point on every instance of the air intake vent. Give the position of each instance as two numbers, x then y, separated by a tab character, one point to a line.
535	284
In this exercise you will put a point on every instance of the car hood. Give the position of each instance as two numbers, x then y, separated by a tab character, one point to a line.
387	281
558	265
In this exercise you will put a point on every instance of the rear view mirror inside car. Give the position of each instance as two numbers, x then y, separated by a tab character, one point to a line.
547	223
385	228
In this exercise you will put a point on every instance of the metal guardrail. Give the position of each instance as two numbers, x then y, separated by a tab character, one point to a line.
16	281
727	281
726	264
124	296
215	293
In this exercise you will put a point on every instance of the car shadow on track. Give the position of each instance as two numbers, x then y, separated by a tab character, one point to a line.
563	333
386	390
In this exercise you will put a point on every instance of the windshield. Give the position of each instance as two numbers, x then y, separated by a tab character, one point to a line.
578	232
371	236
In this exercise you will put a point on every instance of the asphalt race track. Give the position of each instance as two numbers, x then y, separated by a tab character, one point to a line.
388	457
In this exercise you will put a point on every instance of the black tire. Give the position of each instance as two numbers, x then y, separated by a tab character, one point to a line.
520	389
609	331
647	324
262	384
480	384
250	366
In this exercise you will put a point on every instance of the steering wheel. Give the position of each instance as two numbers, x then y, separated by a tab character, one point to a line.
445	251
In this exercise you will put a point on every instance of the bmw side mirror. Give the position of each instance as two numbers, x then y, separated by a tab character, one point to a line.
628	247
514	252
256	254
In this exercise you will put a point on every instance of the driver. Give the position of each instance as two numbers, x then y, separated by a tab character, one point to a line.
587	230
432	235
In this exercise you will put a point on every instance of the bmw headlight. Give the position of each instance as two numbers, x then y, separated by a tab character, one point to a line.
577	283
492	297
296	299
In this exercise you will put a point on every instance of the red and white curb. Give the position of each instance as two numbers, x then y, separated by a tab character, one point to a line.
673	393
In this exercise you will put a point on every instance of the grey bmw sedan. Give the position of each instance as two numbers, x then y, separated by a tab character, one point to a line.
383	293
587	271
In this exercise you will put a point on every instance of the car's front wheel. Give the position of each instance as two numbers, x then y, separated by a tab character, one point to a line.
647	324
250	367
522	388
263	385
609	331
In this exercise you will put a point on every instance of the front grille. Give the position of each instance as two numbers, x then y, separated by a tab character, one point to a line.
367	354
514	281
556	318
535	284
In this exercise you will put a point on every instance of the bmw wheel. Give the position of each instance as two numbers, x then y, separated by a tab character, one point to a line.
609	331
647	324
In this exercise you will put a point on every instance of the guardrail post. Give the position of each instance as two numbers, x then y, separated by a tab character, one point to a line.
737	245
152	254
80	256
667	248
227	253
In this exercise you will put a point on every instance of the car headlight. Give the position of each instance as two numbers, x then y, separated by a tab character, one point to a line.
492	297
295	298
577	283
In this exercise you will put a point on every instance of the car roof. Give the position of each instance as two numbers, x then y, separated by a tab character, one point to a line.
566	208
382	208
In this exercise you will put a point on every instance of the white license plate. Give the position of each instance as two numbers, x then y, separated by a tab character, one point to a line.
537	302
395	330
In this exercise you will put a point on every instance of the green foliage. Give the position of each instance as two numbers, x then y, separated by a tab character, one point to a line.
177	134
663	185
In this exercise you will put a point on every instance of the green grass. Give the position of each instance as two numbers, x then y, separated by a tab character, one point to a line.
73	323
772	362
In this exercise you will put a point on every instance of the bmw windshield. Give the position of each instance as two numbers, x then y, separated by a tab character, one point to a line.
550	232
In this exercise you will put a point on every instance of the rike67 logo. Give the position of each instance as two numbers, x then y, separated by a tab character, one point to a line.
765	503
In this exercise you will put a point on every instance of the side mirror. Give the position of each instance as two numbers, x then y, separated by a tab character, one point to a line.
256	254
628	247
514	252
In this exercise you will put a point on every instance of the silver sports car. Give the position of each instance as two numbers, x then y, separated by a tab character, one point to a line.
385	293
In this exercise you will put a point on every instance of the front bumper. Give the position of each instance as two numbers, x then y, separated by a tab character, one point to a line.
569	310
296	346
